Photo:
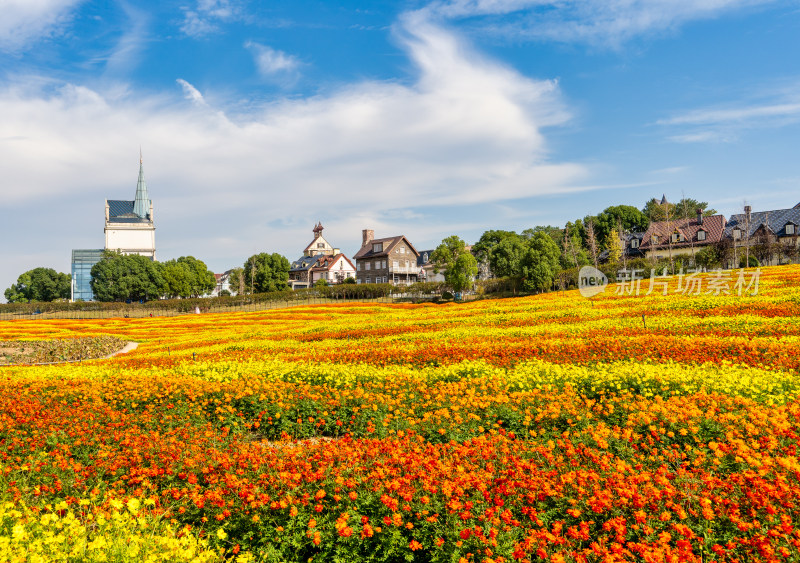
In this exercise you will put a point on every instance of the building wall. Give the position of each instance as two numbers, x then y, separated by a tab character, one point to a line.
399	266
131	238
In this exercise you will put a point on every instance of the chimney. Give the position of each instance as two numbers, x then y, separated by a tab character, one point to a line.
366	236
699	216
747	210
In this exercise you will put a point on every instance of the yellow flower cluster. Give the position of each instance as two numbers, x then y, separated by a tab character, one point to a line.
36	535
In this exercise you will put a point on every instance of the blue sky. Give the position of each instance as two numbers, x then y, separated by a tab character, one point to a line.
426	118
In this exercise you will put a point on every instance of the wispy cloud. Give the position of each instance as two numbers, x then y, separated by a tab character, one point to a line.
274	64
205	17
725	124
24	21
609	22
191	93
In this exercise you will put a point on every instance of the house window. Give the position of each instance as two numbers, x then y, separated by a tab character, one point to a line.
737	234
320	245
701	235
377	247
789	229
401	250
677	237
359	265
368	280
425	257
654	239
635	243
395	264
367	265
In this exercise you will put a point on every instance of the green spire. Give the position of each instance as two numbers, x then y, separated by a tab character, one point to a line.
141	206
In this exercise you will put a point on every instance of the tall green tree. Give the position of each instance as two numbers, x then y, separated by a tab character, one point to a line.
266	272
540	264
456	262
121	277
655	211
40	284
506	257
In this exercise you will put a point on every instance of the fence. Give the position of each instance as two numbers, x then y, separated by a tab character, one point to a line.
204	306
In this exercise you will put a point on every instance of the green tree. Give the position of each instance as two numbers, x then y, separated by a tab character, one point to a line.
456	262
201	279
540	264
655	211
489	239
121	277
266	272
236	281
506	257
40	284
626	217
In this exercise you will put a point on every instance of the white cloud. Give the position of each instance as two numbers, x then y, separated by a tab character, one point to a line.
272	63
191	93
204	18
24	21
595	21
466	131
735	115
725	124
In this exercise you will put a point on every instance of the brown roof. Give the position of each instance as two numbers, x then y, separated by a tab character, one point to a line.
388	244
714	227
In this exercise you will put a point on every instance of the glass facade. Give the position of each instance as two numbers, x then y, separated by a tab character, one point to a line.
82	262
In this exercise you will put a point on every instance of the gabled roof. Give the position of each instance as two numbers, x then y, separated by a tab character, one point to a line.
774	220
388	244
303	263
714	227
326	263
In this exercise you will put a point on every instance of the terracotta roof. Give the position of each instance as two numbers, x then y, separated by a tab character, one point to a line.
714	227
388	244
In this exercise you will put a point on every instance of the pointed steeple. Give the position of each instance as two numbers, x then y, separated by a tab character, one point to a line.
141	206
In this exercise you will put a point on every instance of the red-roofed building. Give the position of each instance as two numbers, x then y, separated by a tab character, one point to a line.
665	239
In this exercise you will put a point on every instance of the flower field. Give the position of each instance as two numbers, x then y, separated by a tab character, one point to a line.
548	428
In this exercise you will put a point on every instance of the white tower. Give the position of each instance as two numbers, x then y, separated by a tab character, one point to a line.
129	224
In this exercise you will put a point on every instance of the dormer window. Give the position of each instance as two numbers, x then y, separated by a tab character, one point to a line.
701	235
377	247
425	257
635	243
677	237
654	239
790	229
737	234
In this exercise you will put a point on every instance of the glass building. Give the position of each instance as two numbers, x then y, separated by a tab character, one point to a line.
82	262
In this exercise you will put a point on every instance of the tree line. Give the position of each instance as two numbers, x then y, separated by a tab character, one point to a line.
531	260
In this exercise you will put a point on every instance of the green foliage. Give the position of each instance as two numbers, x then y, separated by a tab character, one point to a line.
321	283
483	248
458	265
540	263
685	208
120	277
265	272
350	281
626	216
39	284
505	258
